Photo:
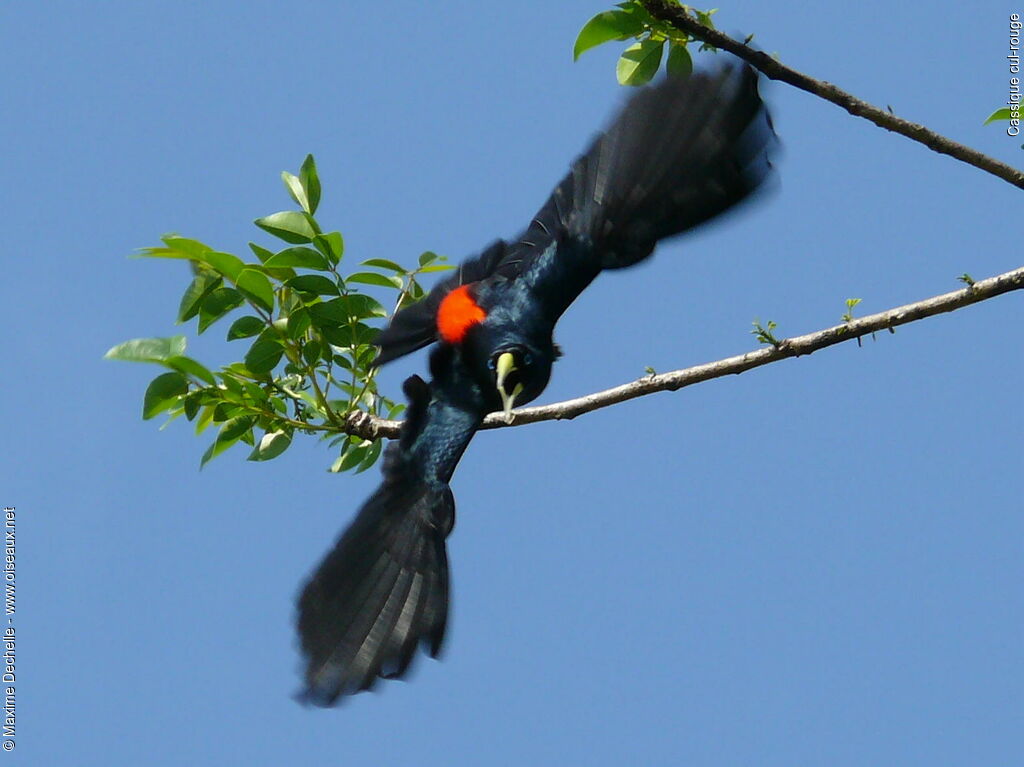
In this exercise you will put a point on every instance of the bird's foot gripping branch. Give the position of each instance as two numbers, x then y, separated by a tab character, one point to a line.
307	329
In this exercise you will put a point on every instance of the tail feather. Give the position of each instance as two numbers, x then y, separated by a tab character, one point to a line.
381	591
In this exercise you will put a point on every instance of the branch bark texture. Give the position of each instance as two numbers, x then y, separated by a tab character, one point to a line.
677	16
369	427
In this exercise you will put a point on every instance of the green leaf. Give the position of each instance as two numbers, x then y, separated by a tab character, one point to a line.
330	313
310	183
311	352
147	349
245	327
177	247
999	114
234	428
157	252
298	323
340	311
356	454
306	258
352	457
383	263
604	27
313	283
365	357
202	285
257	288
704	17
331	245
371	456
190	367
363	306
224	263
220	444
271	445
294	187
679	63
372	278
205	419
277	274
255	392
263	356
288	225
227	410
194	248
162	392
436	268
260	252
232	384
429	257
290	302
217	304
350	336
966	279
639	62
281	274
190	404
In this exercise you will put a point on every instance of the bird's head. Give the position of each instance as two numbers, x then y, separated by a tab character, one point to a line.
518	373
509	357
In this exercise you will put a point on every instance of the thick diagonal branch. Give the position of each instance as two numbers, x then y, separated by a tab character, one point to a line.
369	427
678	17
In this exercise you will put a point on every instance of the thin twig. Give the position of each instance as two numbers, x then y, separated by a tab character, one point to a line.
369	427
669	12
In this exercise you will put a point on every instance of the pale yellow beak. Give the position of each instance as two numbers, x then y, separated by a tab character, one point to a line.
506	364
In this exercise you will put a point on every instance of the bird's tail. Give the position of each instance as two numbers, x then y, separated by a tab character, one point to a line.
680	153
383	589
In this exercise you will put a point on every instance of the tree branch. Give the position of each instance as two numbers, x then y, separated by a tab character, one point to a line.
668	11
370	427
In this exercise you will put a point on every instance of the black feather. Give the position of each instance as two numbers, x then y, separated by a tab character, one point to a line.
380	591
416	326
679	154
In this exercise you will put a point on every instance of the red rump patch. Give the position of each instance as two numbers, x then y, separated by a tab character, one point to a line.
457	313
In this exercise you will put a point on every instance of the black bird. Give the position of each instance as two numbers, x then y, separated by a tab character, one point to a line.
679	154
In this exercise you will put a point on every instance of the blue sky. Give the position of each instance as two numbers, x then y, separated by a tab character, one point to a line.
818	562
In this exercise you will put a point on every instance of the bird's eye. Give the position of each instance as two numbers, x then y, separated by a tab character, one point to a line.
492	363
527	358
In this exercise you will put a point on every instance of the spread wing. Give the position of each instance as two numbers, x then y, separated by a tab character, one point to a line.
677	155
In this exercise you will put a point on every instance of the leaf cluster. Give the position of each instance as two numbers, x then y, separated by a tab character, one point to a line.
851	304
640	61
308	331
765	334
